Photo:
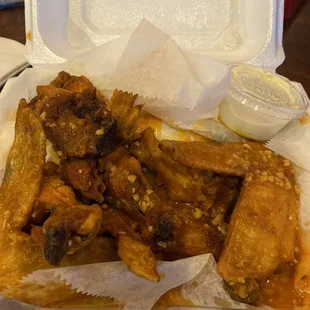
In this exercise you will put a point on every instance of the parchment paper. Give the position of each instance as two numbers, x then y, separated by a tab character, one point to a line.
174	86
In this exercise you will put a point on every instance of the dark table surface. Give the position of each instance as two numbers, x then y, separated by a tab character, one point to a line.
296	40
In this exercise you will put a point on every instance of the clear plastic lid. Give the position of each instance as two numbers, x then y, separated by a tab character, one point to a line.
266	92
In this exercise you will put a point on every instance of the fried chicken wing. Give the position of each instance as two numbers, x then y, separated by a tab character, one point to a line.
265	215
71	225
76	124
83	175
225	158
179	230
227	194
182	183
132	120
127	183
117	223
19	190
147	150
80	84
265	212
136	254
58	295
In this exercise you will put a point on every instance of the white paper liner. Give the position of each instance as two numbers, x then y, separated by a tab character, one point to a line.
202	285
175	86
213	129
206	289
293	142
114	280
303	182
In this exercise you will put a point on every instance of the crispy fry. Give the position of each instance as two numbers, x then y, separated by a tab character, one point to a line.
138	257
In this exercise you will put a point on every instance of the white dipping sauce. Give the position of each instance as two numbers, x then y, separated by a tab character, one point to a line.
260	103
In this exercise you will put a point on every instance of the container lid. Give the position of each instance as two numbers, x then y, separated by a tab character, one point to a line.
232	31
266	92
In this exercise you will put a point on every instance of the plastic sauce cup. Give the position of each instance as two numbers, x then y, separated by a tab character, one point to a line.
260	103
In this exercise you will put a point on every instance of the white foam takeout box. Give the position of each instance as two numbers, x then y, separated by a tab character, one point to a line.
231	31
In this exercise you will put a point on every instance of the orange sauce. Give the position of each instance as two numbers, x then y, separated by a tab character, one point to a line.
172	298
279	293
148	120
29	35
287	290
184	135
305	120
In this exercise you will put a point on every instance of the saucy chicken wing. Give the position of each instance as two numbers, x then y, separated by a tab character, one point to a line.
182	183
82	175
19	192
77	125
261	233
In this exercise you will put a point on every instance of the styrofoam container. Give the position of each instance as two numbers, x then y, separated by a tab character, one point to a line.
230	30
233	31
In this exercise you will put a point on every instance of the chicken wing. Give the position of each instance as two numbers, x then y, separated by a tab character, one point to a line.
221	209
18	193
117	223
126	182
265	215
82	175
182	183
180	230
225	158
71	225
21	182
76	125
132	120
136	254
80	85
